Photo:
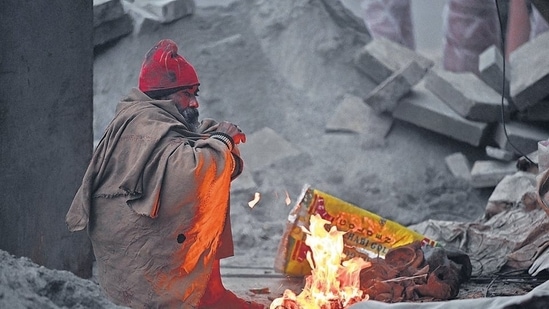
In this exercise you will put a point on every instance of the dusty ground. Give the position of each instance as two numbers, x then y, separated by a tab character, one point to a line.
287	65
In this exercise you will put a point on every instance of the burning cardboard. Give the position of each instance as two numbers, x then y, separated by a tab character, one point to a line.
378	269
366	235
333	283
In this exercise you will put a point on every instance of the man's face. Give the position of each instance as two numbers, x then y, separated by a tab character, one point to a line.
187	104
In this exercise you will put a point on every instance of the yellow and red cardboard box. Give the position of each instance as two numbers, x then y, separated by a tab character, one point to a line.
367	235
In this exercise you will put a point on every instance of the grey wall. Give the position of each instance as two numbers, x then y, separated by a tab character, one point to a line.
46	67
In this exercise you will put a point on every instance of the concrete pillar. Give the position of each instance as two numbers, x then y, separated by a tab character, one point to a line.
46	140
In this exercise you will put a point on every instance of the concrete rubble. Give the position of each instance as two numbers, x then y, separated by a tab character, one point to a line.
506	116
110	21
502	109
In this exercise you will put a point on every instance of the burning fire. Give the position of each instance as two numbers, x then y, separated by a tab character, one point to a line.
332	283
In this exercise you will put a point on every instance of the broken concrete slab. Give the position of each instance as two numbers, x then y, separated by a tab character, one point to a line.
538	112
265	147
110	21
380	58
522	135
459	166
488	173
345	18
385	96
500	154
424	109
530	72
466	94
143	20
167	11
490	66
112	30
352	115
106	10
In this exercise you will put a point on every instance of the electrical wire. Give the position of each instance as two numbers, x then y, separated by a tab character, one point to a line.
503	86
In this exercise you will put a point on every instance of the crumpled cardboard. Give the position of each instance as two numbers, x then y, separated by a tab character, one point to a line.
510	236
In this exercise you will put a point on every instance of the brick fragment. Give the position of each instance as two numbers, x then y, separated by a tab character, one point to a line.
488	173
490	66
106	10
111	30
422	108
385	96
466	94
143	20
110	21
500	154
523	136
380	58
459	166
167	11
537	112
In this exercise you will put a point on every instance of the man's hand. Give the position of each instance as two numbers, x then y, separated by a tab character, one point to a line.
233	131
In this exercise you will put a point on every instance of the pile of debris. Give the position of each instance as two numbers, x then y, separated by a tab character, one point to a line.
464	106
25	284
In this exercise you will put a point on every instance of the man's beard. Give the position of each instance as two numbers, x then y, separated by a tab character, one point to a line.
191	117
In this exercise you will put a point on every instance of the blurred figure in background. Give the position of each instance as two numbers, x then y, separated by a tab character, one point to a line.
391	19
469	26
525	23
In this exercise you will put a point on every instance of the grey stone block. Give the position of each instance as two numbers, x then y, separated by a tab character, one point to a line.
530	72
106	10
538	112
466	94
522	135
353	116
385	96
424	109
112	30
380	58
487	173
459	166
265	147
500	154
143	20
167	11
490	66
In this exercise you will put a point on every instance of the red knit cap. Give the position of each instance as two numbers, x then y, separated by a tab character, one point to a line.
164	69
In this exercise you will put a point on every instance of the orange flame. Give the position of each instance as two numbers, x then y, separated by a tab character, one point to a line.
332	283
